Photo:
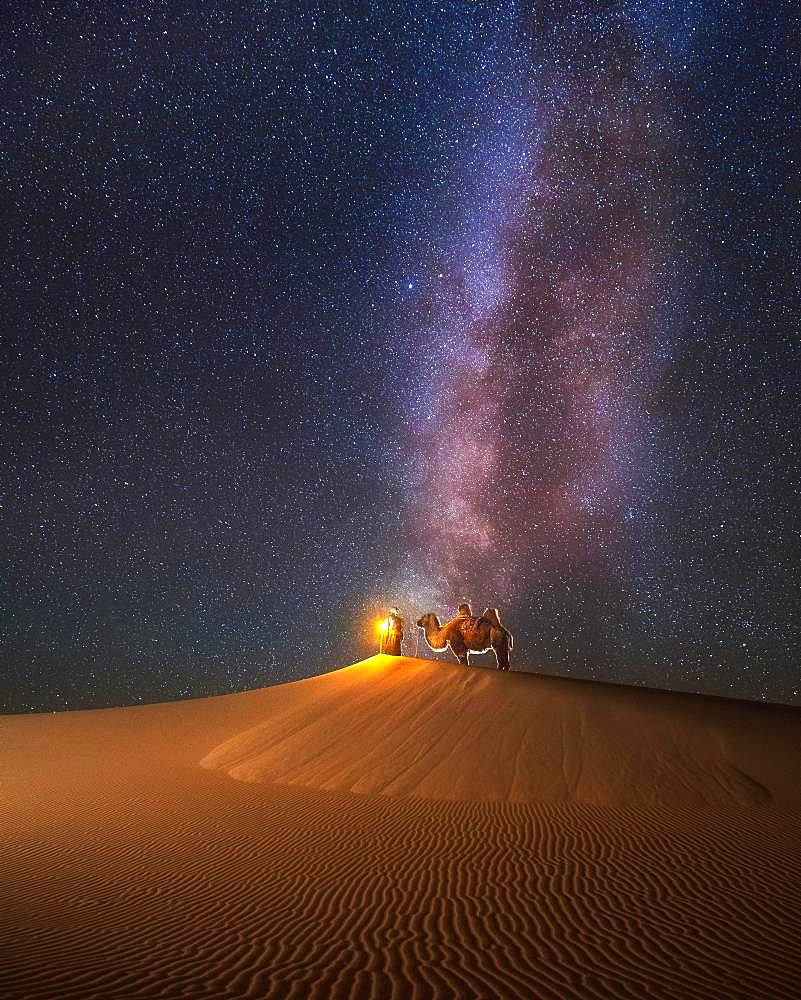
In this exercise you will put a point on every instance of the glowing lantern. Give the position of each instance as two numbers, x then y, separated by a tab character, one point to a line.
383	628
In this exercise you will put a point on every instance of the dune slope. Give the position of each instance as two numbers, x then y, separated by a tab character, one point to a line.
492	850
433	730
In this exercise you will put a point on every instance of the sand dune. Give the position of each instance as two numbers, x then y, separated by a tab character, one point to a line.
437	731
510	836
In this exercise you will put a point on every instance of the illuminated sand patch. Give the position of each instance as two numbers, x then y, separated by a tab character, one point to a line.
432	730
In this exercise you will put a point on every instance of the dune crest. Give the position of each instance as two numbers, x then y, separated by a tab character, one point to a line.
421	729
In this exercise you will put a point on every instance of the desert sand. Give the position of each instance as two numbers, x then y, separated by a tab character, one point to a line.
404	828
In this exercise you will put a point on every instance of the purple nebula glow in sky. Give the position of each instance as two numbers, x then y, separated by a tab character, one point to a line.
549	319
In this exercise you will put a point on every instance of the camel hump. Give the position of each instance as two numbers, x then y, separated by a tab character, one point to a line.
491	615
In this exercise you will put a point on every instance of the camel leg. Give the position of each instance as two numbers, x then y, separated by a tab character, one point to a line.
459	650
502	655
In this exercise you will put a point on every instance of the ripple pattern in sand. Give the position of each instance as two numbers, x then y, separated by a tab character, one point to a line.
286	892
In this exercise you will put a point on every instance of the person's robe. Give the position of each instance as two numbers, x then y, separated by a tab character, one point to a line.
392	640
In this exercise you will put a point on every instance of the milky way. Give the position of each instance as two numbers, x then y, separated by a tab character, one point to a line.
549	326
314	311
542	462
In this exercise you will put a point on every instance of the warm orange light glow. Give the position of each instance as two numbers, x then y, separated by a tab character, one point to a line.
383	625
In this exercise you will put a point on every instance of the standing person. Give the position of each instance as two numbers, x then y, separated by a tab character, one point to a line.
394	635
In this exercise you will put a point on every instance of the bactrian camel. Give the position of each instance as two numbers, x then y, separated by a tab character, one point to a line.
466	634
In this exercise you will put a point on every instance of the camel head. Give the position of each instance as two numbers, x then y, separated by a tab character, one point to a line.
428	620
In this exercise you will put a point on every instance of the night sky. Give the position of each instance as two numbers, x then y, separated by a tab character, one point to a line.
309	310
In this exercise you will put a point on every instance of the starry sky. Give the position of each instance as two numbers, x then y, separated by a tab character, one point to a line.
313	309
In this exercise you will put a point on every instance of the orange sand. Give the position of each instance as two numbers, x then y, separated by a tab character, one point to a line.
403	828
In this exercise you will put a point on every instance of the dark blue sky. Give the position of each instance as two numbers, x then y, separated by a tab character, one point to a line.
309	310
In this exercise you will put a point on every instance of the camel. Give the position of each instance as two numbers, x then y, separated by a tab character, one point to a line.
465	634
